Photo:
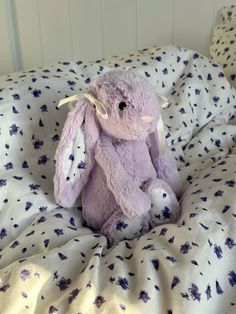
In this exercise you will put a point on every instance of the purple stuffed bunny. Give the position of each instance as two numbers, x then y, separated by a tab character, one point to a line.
127	184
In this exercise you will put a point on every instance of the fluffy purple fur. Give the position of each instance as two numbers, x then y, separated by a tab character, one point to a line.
122	152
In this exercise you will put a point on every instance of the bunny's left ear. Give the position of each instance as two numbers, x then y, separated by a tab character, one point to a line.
160	153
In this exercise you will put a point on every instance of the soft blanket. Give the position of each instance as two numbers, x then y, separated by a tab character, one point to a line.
50	262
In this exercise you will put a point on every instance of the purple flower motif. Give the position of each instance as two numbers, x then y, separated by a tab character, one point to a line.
208	292
17	178
204	226
37	144
43	208
217	143
209	77
71	83
121	225
44	108
46	242
36	93
230	243
3	182
175	281
62	256
216	99
194	291
59	232
28	205
71	157
41	220
171	258
8	166
218	288
155	263
41	123
63	283
30	233
232	278
82	165
34	187
5	287
25	164
111	266
122	306
13	129
163	230
219	193
73	295
185	248
52	309
99	301
24	295
25	274
72	221
230	183
16	96
58	215
209	114
55	275
14	244
3	233
14	109
149	247
123	282
143	295
218	251
55	138
42	160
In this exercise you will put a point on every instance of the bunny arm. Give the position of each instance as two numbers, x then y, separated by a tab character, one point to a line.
131	199
164	164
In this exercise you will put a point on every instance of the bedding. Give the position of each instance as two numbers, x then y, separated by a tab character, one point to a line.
50	262
223	46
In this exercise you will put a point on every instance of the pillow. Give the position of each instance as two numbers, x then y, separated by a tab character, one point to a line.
223	46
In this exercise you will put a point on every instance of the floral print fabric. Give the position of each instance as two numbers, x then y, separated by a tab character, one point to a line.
50	262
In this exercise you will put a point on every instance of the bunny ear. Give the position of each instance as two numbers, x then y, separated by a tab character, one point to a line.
161	156
70	156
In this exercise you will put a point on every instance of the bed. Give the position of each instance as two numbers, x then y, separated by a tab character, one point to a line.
50	262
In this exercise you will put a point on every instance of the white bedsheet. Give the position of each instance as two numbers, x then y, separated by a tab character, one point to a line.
51	263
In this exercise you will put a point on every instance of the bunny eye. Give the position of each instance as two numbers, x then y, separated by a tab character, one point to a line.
122	105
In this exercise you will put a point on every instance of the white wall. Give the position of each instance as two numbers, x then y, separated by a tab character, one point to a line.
36	32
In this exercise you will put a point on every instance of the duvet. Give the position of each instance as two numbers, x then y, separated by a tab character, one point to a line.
50	262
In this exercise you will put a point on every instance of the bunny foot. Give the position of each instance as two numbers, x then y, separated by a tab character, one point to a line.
165	207
125	228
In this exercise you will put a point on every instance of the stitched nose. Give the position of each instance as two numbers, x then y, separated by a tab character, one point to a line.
147	119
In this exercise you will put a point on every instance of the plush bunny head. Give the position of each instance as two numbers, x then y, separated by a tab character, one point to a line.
131	104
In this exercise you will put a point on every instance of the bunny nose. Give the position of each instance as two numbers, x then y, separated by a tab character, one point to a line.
147	119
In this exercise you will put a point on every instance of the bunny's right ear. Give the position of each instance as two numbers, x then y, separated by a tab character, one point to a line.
70	157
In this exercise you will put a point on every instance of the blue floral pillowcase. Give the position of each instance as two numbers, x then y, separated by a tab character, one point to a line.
223	46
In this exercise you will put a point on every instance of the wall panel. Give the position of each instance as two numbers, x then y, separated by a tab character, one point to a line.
28	29
38	32
155	22
193	24
55	30
119	26
6	64
87	31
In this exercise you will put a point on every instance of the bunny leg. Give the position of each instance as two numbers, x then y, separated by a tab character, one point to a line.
124	228
165	207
